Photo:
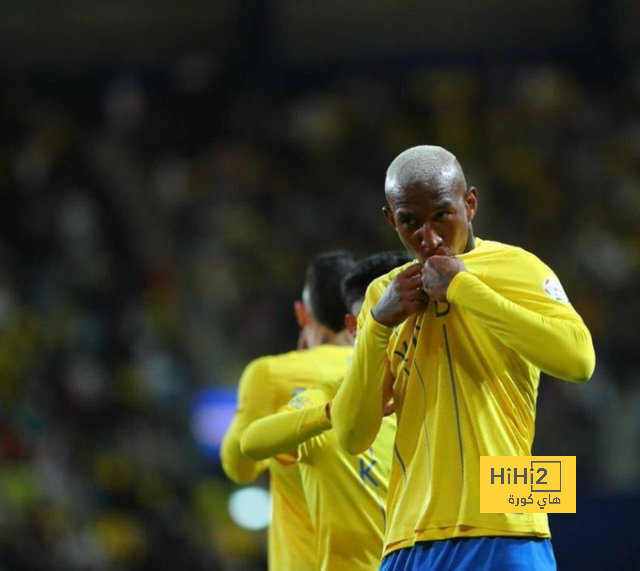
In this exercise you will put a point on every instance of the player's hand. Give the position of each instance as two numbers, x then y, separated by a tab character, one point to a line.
403	297
437	274
389	408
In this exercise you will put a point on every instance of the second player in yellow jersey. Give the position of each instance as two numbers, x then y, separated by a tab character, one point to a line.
346	494
267	384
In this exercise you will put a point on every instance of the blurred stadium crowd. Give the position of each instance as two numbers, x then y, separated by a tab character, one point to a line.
154	236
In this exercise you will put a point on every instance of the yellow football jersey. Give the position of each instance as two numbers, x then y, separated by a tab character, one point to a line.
346	494
465	379
267	384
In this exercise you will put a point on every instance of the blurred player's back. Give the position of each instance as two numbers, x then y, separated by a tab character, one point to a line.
292	539
267	384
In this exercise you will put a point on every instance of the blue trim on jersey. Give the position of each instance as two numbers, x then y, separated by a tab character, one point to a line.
474	554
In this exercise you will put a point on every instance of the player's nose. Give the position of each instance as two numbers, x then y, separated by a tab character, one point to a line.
430	240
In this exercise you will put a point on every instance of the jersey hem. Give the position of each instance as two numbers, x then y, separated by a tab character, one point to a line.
443	534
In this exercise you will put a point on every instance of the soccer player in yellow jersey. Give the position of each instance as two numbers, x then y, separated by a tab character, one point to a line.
346	494
268	383
458	340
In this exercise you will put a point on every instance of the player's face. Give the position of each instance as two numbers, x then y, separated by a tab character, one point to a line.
432	220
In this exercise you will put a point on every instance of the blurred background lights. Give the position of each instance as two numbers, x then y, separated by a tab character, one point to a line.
211	415
250	508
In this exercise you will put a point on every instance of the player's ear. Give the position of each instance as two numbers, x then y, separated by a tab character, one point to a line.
351	323
388	214
471	202
301	313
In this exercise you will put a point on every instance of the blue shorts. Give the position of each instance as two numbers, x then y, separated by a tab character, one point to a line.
474	554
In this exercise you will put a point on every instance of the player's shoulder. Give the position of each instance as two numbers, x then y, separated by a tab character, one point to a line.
516	265
306	365
276	373
494	246
492	249
270	364
281	361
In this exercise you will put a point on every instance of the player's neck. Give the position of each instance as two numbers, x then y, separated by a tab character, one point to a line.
325	336
471	241
343	338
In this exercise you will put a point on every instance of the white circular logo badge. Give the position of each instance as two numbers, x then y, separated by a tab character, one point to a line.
553	288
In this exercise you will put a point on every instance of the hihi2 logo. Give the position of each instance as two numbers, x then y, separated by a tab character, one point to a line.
527	484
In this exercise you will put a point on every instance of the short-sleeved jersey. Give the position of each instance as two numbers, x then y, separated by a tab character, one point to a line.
346	494
267	384
465	379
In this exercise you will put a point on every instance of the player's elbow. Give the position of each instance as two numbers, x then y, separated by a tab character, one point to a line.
352	447
575	356
349	442
239	470
354	436
237	475
580	362
353	426
582	369
584	362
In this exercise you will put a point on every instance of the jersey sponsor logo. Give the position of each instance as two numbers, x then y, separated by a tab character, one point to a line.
553	288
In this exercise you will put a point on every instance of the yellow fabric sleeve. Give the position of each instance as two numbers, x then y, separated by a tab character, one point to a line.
254	402
358	407
558	343
281	433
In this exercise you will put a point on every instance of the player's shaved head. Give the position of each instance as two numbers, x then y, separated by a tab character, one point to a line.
426	165
429	204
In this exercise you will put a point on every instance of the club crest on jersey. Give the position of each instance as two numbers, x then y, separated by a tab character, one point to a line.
553	288
299	400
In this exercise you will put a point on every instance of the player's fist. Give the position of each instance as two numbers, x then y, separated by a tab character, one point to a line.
437	274
403	296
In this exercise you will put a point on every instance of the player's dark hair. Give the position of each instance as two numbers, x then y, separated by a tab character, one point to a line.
355	283
324	276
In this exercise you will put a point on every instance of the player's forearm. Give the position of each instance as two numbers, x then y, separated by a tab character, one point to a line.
561	347
283	432
358	407
236	465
